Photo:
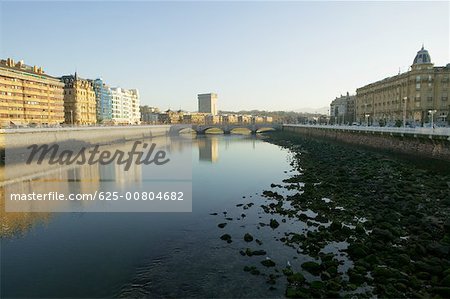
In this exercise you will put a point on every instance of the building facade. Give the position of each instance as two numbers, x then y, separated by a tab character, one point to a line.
194	118
29	96
171	117
413	97
342	109
207	103
149	115
103	98
125	106
80	107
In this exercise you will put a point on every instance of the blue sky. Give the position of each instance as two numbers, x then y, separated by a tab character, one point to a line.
255	55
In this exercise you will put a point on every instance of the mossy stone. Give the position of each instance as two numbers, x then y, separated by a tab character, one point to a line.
226	237
248	237
221	225
268	263
312	267
274	224
296	278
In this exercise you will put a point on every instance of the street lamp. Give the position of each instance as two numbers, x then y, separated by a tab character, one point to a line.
404	111
432	112
367	119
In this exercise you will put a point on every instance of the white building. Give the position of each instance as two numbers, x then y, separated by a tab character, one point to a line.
125	106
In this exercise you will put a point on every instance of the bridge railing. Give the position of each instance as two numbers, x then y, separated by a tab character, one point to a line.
439	131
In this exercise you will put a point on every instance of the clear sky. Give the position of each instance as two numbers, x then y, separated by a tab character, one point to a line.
255	55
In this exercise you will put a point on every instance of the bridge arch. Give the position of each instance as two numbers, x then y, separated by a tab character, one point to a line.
213	130
240	130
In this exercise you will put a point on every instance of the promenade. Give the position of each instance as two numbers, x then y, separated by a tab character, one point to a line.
418	131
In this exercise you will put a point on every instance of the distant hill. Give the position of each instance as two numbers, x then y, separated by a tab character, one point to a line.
322	110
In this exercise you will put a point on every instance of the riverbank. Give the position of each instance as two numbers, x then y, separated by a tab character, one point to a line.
415	142
376	225
19	138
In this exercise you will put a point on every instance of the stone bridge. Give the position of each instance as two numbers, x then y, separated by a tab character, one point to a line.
227	128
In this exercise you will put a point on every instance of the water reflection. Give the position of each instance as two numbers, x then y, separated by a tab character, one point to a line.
208	149
85	179
145	254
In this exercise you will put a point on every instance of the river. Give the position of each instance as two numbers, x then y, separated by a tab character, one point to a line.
292	216
153	254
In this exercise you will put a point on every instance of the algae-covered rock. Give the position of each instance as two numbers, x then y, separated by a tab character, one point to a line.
312	267
293	292
296	278
248	237
268	263
226	237
250	252
446	281
274	224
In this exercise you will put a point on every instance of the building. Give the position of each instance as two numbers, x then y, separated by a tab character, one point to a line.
171	117
411	98
211	119
207	103
342	109
103	98
149	115
244	119
125	106
257	119
194	118
80	107
229	118
268	119
29	96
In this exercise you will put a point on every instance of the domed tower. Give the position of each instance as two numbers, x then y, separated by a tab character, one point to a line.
422	59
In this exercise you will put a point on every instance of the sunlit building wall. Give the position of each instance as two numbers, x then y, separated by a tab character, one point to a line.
125	106
410	95
28	95
80	107
103	97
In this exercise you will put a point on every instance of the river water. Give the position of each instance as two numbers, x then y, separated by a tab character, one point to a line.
346	221
156	254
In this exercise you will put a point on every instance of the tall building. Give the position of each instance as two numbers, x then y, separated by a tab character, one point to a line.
28	95
414	96
342	109
125	106
103	98
80	106
207	103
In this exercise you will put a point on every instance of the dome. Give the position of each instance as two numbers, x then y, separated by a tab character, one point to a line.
422	57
